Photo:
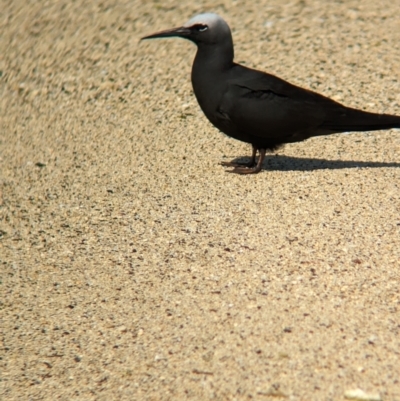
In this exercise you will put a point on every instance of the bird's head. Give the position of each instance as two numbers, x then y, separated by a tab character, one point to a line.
202	29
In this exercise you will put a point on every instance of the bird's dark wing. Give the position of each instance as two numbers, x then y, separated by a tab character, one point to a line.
269	107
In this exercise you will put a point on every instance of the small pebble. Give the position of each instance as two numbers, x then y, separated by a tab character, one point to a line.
361	395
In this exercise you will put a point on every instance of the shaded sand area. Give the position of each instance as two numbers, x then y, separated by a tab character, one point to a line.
133	267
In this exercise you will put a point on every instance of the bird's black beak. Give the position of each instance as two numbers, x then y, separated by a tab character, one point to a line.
180	32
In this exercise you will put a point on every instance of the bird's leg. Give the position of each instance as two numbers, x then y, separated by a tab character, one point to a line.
250	163
253	170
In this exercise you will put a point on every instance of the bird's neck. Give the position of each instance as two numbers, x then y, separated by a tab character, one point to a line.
214	59
210	67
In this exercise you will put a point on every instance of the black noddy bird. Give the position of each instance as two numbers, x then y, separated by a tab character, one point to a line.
258	108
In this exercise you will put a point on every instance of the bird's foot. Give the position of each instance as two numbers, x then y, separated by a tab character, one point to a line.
245	170
248	164
251	167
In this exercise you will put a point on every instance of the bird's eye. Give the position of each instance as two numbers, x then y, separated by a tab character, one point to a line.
201	28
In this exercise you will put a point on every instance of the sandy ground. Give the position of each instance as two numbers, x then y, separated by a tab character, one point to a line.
133	267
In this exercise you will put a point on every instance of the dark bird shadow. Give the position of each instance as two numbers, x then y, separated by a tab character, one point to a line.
289	163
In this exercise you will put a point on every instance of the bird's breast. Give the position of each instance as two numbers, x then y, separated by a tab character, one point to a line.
209	94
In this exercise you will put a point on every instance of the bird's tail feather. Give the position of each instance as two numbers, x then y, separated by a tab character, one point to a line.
348	119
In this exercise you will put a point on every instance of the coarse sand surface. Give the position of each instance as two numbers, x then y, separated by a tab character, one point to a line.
134	267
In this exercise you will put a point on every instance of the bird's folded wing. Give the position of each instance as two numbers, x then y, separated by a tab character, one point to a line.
269	107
